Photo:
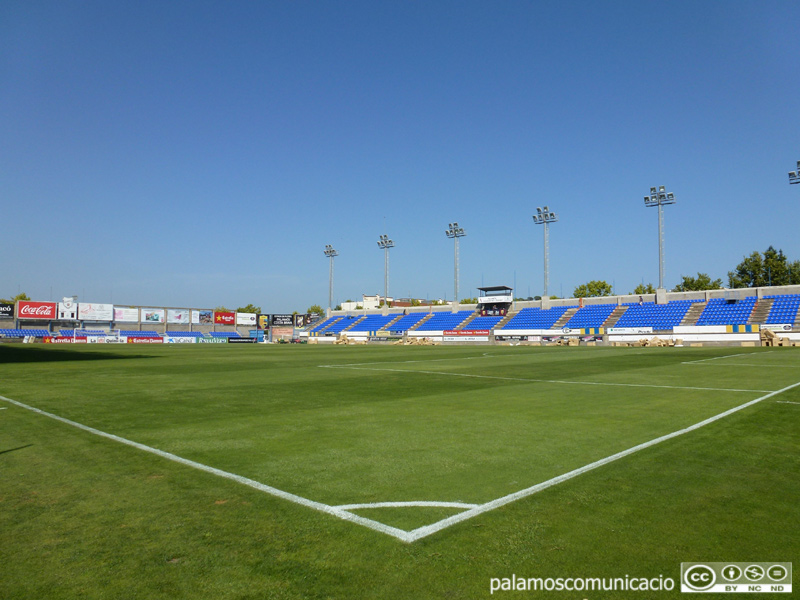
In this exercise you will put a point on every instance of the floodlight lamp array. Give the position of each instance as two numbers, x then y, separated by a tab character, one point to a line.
455	231
794	176
544	215
384	242
659	197
329	251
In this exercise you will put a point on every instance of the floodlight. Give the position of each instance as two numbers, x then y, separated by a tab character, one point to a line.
330	253
660	197
455	232
544	216
794	176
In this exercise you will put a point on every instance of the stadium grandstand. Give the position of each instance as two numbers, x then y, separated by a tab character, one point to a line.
719	316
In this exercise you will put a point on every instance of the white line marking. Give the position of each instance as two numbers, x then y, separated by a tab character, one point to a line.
749	365
566	382
421	504
336	512
403	362
422	532
692	362
786	402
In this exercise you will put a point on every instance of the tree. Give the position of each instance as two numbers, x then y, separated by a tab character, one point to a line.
315	308
415	302
592	289
698	284
644	289
771	268
338	307
468	301
19	297
222	309
250	308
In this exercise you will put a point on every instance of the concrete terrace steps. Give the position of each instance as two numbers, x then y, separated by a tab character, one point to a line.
354	323
329	325
506	319
421	321
388	326
693	314
615	316
761	310
467	321
568	314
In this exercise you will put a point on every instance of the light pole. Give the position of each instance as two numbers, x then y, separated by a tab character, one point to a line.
659	197
385	243
455	232
544	216
330	253
794	176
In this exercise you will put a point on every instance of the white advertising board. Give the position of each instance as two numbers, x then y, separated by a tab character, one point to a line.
495	300
246	319
126	315
178	315
153	315
637	330
95	312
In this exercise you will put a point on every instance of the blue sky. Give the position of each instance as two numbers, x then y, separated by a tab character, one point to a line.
203	153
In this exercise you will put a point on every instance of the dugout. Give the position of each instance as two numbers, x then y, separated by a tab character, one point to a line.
495	301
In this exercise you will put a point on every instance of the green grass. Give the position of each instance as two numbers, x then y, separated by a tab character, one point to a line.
85	517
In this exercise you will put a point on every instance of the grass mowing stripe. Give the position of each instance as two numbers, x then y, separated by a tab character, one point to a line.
336	512
421	532
636	385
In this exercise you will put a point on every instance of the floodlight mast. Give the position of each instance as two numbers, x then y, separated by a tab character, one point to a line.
330	253
455	232
385	243
544	216
660	198
794	176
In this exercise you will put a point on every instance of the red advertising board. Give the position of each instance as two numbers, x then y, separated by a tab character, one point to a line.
36	310
468	332
61	340
225	318
145	340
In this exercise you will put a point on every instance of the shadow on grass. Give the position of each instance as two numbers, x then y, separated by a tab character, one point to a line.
15	449
19	353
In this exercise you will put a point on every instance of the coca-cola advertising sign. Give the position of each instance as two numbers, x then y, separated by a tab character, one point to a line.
36	310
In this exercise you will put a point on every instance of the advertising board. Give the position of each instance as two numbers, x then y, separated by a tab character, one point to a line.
224	318
95	312
246	319
467	332
126	315
282	320
6	311
36	310
144	340
153	315
241	340
204	317
178	315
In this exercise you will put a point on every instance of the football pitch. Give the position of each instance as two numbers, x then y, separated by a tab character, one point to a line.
195	471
